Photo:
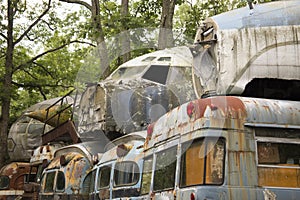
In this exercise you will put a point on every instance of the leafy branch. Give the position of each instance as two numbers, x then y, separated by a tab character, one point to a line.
39	18
49	51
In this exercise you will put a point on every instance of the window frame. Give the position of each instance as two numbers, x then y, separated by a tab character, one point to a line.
156	154
275	140
58	181
135	176
157	66
45	182
7	185
107	186
204	181
148	158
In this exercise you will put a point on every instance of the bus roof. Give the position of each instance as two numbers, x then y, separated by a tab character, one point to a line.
225	112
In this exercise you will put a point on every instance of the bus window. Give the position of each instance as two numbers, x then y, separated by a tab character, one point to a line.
30	178
147	173
165	169
89	183
126	173
4	182
278	161
104	177
49	182
202	162
60	181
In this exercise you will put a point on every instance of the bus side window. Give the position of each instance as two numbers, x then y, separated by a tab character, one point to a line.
147	173
87	186
103	181
278	161
165	169
126	173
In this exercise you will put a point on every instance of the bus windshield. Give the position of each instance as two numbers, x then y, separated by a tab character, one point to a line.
202	162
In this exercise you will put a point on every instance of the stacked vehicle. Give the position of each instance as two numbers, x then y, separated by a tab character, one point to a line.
222	118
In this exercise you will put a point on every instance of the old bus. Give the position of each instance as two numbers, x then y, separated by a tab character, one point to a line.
12	179
63	177
224	147
39	160
118	173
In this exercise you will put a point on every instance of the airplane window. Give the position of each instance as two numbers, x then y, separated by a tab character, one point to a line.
164	59
150	58
157	73
127	72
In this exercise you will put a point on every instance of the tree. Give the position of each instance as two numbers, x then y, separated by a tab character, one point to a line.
165	38
125	43
97	32
22	66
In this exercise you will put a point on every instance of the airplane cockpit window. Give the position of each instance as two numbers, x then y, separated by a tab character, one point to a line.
157	73
150	58
164	59
127	72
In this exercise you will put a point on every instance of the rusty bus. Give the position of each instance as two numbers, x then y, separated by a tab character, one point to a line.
224	147
12	179
63	177
117	175
40	159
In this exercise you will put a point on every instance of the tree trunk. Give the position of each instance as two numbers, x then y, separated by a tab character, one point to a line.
6	88
165	38
100	39
125	40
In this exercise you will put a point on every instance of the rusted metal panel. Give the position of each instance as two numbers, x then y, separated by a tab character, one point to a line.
226	113
12	178
237	47
74	162
45	152
136	140
65	132
283	176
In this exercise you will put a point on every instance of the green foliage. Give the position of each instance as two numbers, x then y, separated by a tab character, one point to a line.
54	73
